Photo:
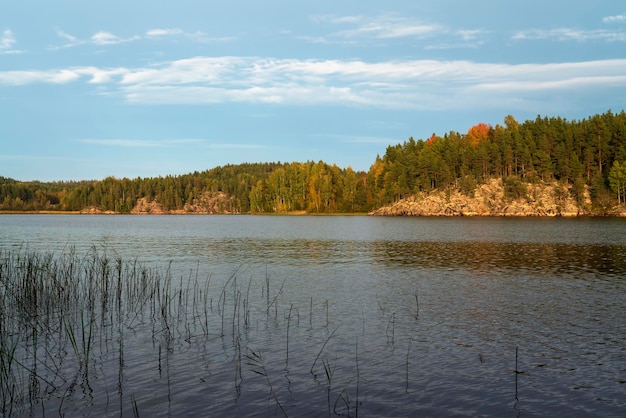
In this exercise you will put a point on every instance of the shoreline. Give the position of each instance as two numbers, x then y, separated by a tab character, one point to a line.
304	213
108	213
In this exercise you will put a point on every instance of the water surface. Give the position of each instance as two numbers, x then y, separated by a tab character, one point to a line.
414	316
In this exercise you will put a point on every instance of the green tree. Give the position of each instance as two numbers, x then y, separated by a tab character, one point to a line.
617	180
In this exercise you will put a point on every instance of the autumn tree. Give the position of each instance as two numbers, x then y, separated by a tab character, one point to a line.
477	134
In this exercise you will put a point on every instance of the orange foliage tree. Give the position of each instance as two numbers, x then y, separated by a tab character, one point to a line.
478	133
432	139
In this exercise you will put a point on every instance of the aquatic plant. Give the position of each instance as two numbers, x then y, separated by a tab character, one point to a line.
255	361
72	327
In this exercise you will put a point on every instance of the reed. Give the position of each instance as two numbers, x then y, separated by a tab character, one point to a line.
391	336
61	301
329	371
408	351
326	306
517	372
287	348
238	372
8	384
69	319
82	348
255	361
358	376
344	396
133	400
322	349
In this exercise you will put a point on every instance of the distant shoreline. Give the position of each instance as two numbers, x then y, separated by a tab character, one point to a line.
304	214
66	212
40	212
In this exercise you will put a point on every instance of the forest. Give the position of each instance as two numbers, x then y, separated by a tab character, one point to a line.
587	154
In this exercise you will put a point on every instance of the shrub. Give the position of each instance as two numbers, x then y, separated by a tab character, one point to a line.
514	189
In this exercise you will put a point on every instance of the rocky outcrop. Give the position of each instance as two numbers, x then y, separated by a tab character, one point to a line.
211	203
145	207
207	204
92	210
489	199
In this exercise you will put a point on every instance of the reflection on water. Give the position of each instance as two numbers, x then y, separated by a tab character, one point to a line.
607	260
428	315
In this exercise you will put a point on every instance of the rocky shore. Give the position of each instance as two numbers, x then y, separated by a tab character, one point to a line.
207	204
489	199
542	199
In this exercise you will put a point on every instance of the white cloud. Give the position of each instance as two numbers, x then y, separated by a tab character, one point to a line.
72	40
546	85
381	27
417	84
202	37
101	38
63	76
107	38
402	84
570	34
335	19
470	35
615	19
380	30
7	40
101	76
164	32
104	38
20	78
386	27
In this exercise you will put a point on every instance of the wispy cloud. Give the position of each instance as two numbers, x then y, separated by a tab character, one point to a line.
390	27
99	38
107	38
61	76
104	38
383	29
615	19
164	32
413	84
141	143
571	34
20	78
70	40
471	35
7	40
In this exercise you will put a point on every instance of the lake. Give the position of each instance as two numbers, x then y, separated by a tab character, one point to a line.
327	315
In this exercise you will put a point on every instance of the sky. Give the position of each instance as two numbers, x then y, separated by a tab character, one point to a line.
90	89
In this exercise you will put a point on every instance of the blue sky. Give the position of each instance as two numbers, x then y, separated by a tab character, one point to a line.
90	89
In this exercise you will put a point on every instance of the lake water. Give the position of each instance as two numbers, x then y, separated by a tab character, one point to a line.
364	316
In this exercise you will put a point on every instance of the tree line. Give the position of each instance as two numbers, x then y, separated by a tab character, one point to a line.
587	154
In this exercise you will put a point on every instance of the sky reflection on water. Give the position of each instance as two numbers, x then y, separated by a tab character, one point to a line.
434	310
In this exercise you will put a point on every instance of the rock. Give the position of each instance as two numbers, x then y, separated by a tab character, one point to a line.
541	199
144	207
208	203
92	210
